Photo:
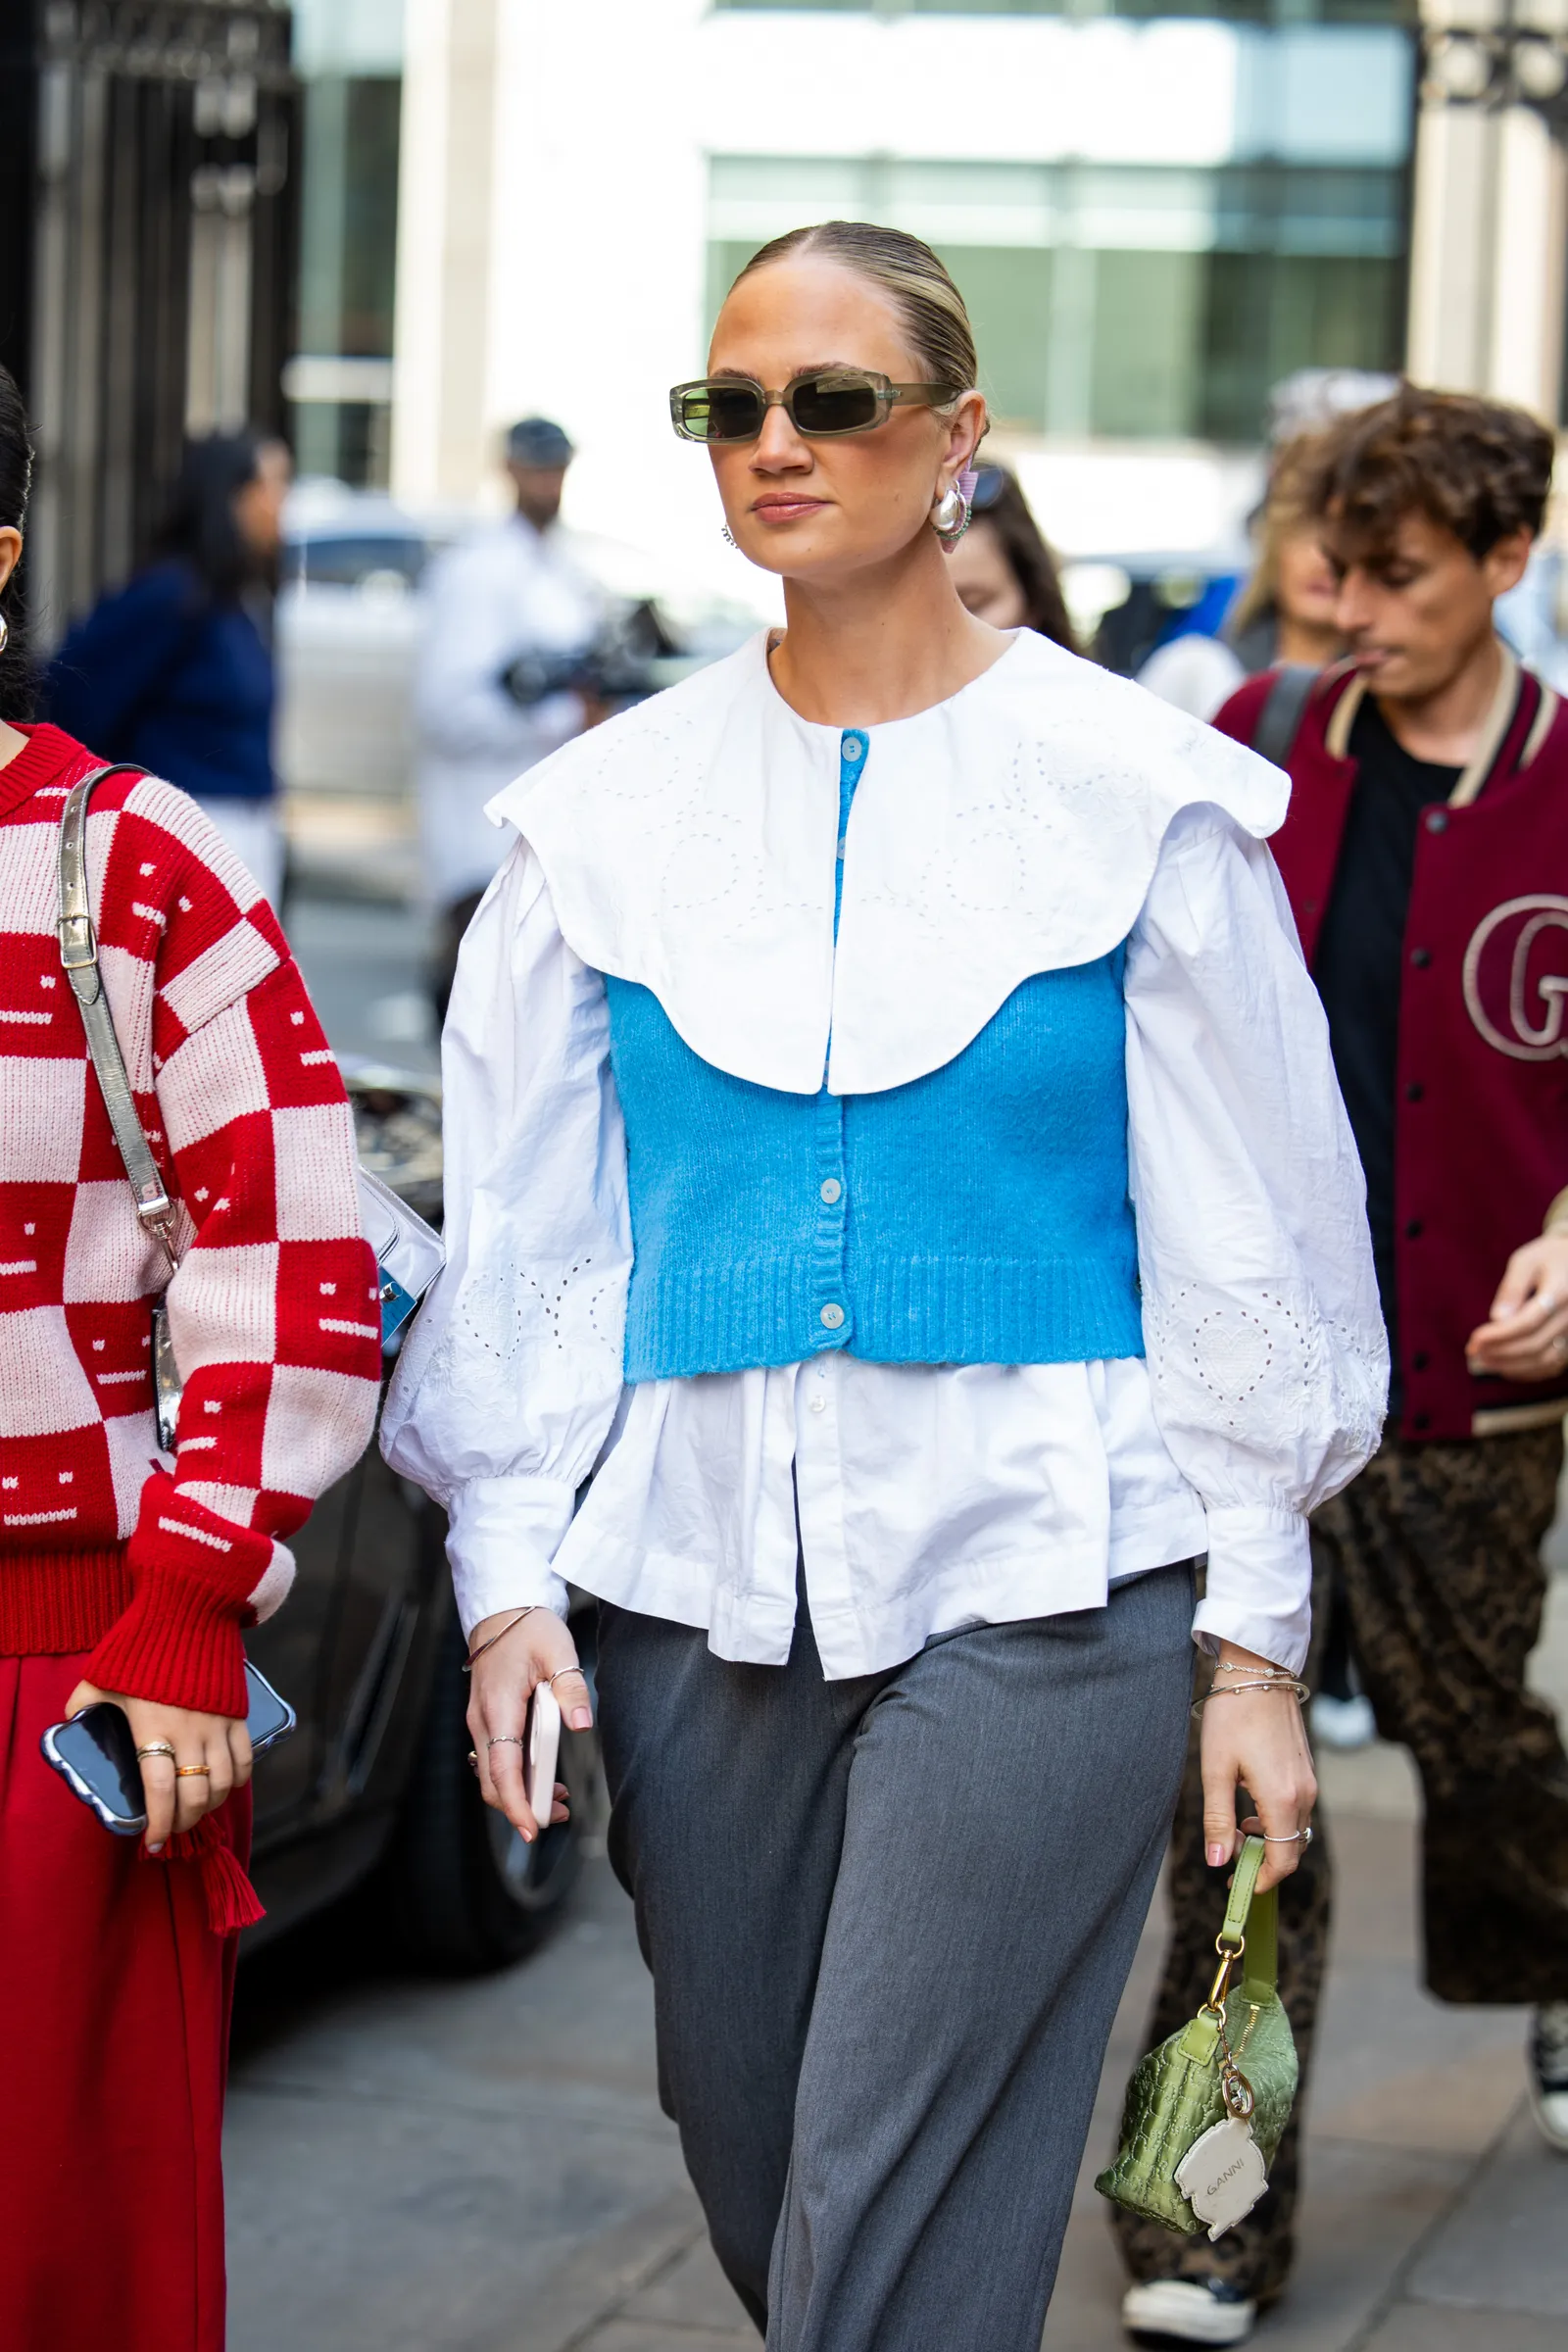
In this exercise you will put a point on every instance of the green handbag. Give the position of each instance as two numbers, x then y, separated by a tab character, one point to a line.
1205	2112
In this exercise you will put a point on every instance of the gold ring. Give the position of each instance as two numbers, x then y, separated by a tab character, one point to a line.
157	1747
473	1760
189	1772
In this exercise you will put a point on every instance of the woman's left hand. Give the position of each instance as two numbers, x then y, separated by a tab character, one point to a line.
1527	1336
1256	1739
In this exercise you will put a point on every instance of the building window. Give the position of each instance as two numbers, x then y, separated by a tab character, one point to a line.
339	382
1226	11
1119	302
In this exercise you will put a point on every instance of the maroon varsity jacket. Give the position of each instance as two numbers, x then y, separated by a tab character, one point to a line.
1481	1137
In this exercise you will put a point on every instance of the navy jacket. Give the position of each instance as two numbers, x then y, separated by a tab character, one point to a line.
161	675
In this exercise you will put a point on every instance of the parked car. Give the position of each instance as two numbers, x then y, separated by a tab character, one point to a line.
375	1783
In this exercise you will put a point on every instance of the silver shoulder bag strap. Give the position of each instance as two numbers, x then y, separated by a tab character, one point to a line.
78	953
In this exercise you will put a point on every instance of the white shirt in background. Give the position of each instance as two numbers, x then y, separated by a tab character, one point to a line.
509	590
1193	673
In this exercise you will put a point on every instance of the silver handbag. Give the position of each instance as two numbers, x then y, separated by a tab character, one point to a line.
409	1252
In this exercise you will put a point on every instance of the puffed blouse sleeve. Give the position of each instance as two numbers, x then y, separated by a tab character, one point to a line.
1268	1357
507	1387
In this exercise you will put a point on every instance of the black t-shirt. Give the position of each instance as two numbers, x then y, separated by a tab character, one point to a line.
1359	962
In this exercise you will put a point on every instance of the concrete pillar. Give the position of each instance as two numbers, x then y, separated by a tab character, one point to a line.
1489	255
446	215
1452	244
1531	259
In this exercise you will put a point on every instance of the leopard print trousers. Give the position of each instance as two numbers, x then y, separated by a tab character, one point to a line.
1436	1551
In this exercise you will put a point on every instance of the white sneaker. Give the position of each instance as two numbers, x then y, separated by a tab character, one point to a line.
1548	2073
1343	1723
1188	2311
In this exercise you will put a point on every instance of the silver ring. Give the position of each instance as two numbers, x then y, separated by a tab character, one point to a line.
561	1670
157	1747
1296	1837
505	1740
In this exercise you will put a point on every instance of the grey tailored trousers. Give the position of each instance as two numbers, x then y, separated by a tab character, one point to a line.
888	1921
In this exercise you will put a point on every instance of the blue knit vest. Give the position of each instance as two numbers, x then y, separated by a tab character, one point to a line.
977	1216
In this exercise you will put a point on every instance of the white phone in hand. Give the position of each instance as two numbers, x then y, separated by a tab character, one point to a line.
541	1747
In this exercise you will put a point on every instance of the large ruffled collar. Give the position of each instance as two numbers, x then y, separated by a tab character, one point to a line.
690	844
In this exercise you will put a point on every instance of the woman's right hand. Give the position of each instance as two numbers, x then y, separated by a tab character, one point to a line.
504	1680
214	1750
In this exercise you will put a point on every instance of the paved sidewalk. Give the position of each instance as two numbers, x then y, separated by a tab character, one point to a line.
483	2167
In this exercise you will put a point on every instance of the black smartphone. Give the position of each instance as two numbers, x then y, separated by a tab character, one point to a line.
95	1752
95	1755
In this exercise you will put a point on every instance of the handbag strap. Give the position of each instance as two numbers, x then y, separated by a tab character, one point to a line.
79	955
1283	707
1251	1918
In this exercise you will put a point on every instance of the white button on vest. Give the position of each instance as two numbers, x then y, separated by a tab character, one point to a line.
832	1189
832	1317
818	1404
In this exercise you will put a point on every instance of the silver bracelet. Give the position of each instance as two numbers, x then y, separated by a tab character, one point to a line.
1273	1681
491	1639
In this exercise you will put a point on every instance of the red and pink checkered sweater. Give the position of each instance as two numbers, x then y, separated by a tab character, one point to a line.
155	1565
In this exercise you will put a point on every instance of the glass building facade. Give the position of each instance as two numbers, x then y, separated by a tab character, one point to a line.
1154	300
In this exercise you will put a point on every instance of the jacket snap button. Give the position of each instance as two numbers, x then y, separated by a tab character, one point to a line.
1414	1091
1422	1421
832	1317
1420	1360
1420	957
1412	1231
1437	823
831	1189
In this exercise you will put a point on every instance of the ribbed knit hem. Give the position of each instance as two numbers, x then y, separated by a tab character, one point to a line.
55	1602
175	1646
930	1310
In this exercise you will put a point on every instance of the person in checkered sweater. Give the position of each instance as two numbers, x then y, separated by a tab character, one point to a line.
125	1573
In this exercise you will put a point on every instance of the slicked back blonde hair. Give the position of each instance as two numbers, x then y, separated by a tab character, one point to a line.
913	278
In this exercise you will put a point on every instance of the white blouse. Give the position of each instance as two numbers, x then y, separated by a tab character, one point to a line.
922	1498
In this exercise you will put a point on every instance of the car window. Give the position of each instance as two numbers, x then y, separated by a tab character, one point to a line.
343	560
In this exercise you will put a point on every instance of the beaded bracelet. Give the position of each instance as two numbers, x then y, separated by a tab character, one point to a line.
1272	1681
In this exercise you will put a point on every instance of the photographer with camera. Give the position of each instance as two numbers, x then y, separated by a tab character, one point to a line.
507	615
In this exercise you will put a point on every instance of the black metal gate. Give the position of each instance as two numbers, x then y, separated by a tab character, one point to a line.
157	144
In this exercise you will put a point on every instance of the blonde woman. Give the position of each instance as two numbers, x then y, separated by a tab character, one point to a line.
803	1063
1285	612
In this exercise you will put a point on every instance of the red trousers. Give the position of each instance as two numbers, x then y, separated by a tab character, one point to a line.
114	2032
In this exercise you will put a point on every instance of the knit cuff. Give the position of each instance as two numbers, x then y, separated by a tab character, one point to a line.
178	1645
195	1576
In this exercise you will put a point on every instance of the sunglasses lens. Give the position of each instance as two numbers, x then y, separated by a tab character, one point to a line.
721	413
834	404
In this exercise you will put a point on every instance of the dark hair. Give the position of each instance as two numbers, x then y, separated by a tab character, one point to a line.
16	476
1000	500
1479	468
199	525
915	280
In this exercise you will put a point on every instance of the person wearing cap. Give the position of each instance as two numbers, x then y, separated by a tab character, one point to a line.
506	613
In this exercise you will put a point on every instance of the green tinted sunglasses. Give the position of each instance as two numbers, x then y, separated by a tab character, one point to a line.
836	400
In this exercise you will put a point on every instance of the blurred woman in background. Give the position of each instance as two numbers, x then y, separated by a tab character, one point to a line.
174	670
1001	568
1283	612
